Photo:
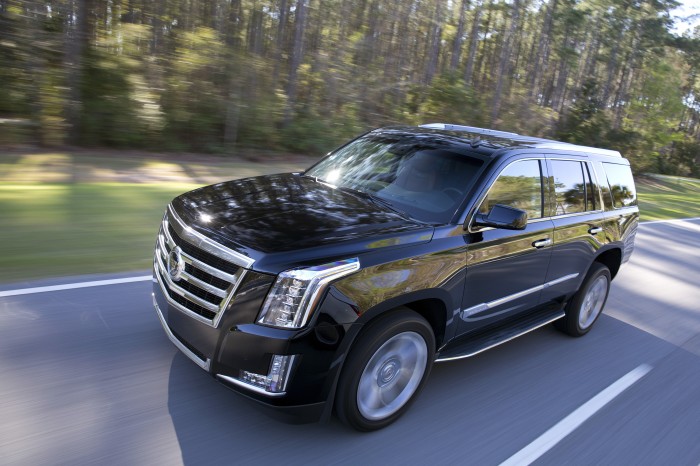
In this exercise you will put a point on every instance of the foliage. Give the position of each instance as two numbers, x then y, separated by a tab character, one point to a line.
302	75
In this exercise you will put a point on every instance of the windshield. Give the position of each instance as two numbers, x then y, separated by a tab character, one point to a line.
422	175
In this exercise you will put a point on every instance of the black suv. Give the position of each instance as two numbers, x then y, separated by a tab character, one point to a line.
340	286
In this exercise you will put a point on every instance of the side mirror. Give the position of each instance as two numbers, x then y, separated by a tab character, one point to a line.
502	216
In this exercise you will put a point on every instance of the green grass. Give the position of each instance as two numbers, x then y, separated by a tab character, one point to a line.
83	212
665	197
70	229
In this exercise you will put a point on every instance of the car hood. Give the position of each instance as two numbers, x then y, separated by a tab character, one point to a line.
273	218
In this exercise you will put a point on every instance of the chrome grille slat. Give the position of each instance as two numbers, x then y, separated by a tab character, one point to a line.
209	292
195	262
207	268
186	294
177	305
205	286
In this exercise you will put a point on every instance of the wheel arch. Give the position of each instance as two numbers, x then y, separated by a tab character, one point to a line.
611	258
431	304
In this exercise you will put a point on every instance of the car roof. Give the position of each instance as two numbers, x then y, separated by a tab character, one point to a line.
495	140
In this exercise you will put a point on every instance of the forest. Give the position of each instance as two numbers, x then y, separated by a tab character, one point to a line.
301	76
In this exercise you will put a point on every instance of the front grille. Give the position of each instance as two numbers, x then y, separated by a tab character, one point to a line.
208	282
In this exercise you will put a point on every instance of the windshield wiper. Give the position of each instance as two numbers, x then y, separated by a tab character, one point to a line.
378	200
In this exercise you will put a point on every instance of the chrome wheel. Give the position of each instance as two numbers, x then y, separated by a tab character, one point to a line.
593	302
392	375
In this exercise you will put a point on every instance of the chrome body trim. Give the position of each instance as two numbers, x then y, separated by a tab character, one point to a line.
248	386
191	260
184	293
195	281
557	281
542	243
168	285
202	242
204	364
506	340
483	307
177	305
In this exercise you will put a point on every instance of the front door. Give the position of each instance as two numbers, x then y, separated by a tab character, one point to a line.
506	269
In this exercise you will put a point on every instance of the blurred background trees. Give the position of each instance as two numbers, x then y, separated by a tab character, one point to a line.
303	75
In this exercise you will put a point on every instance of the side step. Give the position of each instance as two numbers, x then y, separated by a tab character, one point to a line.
481	340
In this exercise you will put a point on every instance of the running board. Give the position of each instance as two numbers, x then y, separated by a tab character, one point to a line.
471	345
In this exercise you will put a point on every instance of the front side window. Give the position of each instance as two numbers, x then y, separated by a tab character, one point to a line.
426	177
519	186
569	187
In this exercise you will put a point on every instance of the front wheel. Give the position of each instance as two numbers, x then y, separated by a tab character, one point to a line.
588	302
385	370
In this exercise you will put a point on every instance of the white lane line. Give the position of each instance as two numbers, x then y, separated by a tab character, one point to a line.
71	286
546	441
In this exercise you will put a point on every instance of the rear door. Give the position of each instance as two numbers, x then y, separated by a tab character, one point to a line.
578	219
506	268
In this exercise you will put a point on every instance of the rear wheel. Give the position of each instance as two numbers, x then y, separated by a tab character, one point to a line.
588	302
385	370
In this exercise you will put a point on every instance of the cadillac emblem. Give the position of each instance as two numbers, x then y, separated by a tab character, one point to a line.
175	263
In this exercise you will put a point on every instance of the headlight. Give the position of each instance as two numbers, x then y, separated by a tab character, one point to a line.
296	292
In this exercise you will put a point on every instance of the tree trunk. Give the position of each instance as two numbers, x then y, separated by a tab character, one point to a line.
76	46
504	67
434	51
279	39
459	36
297	51
473	45
538	64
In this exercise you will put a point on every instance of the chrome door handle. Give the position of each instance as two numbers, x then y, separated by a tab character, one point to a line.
542	243
595	230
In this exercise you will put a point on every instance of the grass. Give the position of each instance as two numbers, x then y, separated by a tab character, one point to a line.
67	214
71	229
82	212
665	197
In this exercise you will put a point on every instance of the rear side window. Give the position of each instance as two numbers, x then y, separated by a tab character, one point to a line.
569	187
621	184
519	185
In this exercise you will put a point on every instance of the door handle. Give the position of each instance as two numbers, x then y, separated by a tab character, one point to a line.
595	230
540	243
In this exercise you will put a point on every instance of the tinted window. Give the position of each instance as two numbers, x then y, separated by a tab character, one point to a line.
569	187
519	186
621	184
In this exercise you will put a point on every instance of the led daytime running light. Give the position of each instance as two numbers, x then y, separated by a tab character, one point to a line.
296	292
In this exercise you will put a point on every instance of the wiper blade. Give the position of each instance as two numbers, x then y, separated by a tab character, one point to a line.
380	201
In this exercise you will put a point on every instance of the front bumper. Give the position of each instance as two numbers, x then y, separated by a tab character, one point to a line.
238	344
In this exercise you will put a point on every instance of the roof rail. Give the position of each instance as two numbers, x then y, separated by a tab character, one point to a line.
470	129
539	143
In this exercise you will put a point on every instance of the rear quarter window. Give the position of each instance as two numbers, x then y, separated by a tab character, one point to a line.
621	183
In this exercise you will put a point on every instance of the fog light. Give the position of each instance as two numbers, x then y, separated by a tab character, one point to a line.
277	377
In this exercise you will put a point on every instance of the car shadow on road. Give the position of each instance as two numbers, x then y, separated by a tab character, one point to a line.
472	411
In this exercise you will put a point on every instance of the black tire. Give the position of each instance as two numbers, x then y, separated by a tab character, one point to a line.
580	314
395	373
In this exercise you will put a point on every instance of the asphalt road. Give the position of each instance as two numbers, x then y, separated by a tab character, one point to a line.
87	376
